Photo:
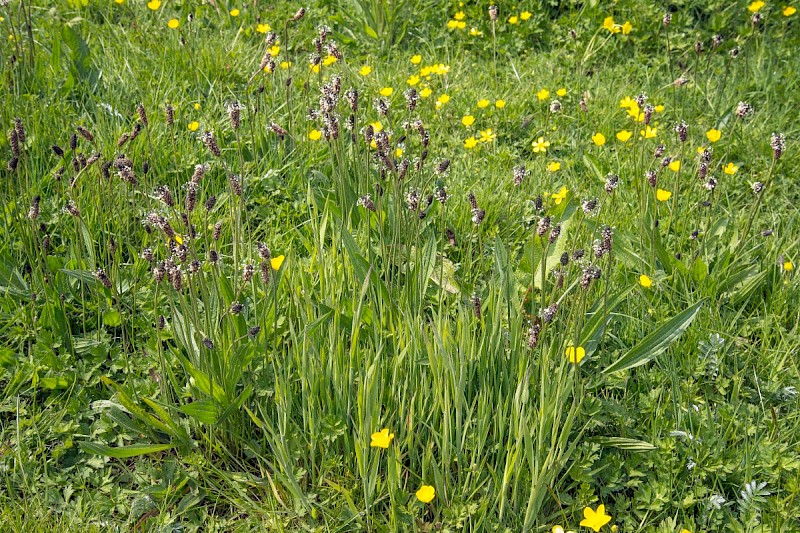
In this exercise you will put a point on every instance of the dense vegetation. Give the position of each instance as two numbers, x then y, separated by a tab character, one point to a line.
377	265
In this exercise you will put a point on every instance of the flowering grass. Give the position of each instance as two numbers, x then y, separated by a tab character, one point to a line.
399	267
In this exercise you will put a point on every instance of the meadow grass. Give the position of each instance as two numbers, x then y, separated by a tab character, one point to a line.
399	266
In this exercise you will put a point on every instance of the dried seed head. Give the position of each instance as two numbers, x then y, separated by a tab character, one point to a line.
549	312
253	332
351	95
217	231
493	12
533	334
20	129
612	182
743	109
734	52
583	105
124	138
717	40
542	226
778	144
659	151
208	343
441	194
757	187
710	185
73	141
142	114
412	199
698	47
412	98
207	137
266	267
578	254
57	150
767	233
554	233
564	260
555	106
161	323
147	255
519	174
264	251
101	275
648	111
442	167
589	206
13	141
86	134
213	256
652	177
177	278
682	130
476	305
236	185
163	193
366	202
473	203
538	203
247	272
279	131
199	172
667	19
72	209
33	212
169	113
191	197
234	114
298	15
236	307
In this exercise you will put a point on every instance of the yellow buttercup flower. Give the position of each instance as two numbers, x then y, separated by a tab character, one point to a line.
608	23
173	24
627	103
154	4
755	6
376	126
443	99
499	104
470	142
487	135
730	169
286	64
459	16
475	32
559	196
575	355
426	493
525	15
599	139
468	120
329	60
452	24
513	20
263	28
788	266
624	135
197	106
595	519
412	80
627	27
788	11
659	108
540	146
381	439
416	59
713	135
315	135
561	92
274	50
662	195
543	94
365	70
234	12
483	102
426	92
648	132
675	165
193	126
387	91
553	166
276	263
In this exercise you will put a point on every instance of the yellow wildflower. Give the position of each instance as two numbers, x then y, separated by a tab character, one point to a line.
560	196
730	169
675	165
173	24
599	139
543	94
416	59
553	166
483	102
314	135
575	355
276	263
234	12
525	15
499	104
470	142
595	519
755	6
624	135
426	493
387	91
648	132
381	439
713	135
193	126
513	19
154	4
468	120
263	28
365	70
540	146
662	195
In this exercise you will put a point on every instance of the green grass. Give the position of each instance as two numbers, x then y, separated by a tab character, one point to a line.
242	394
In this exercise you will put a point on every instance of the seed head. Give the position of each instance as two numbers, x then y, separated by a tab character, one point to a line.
366	202
493	12
778	144
33	212
207	137
169	113
519	174
682	130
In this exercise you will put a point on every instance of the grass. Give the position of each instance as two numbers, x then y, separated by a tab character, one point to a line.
207	325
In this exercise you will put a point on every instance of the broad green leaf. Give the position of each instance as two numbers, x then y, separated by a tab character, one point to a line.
204	411
634	445
657	342
123	452
112	318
